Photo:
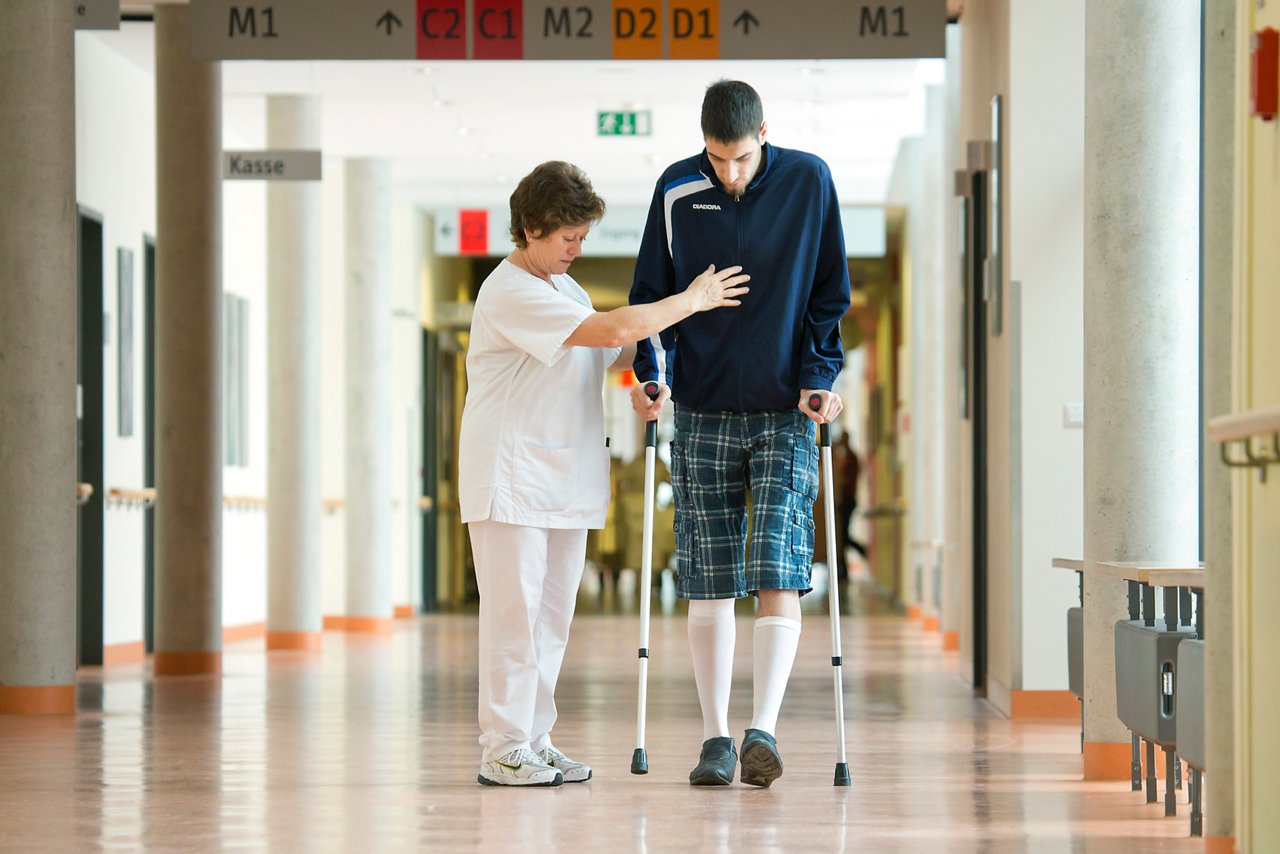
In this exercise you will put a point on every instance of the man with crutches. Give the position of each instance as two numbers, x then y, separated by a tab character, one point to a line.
741	385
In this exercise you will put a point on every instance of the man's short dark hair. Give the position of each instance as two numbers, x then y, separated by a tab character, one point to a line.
731	110
554	195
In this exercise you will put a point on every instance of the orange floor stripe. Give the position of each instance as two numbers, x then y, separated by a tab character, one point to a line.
37	699
1106	760
913	612
249	631
950	641
124	653
930	623
186	663
295	640
334	622
367	625
1219	845
405	612
1045	704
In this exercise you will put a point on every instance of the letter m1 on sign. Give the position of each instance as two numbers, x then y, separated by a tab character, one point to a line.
473	232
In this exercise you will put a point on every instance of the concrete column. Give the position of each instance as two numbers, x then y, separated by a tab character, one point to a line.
1141	446
368	395
1217	268
189	398
37	358
937	200
294	609
953	561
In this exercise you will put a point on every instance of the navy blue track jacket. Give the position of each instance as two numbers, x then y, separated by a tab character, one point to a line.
786	233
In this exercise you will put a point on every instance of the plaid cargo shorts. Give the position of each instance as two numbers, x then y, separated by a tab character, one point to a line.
728	468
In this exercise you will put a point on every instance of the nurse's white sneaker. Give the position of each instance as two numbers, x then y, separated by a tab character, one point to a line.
520	767
574	772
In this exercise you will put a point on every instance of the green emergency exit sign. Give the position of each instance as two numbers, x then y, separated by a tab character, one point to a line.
623	123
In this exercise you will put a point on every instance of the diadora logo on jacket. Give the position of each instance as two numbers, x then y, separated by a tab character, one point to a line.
698	207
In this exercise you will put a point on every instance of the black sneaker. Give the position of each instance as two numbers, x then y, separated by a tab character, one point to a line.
715	764
761	764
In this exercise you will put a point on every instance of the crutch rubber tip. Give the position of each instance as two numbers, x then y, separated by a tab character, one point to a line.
842	774
640	762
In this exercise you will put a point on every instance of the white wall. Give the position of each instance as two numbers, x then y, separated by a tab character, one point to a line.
332	419
115	144
408	245
244	274
906	188
1045	130
115	176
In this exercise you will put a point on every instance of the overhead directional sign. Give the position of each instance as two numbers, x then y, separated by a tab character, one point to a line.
97	14
288	165
578	29
485	231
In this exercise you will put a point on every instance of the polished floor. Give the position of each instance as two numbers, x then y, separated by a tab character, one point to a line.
370	746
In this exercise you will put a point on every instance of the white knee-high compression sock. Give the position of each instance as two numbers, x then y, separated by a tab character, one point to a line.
711	640
774	645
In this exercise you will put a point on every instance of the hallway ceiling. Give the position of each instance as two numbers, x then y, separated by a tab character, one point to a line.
463	133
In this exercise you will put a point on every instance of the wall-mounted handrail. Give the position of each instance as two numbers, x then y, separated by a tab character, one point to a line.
1244	428
244	502
131	498
120	497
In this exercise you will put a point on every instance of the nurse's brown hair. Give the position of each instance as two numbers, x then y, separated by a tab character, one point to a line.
554	195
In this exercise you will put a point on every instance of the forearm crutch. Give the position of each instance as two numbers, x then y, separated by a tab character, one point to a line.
833	591
639	758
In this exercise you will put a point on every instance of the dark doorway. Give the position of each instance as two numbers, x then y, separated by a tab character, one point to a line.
976	256
89	437
149	438
430	466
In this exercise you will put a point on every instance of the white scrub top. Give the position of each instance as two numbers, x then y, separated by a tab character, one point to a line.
532	449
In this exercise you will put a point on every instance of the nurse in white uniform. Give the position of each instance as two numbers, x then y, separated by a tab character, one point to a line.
533	465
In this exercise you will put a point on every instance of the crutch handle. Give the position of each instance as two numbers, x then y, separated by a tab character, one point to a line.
824	430
651	427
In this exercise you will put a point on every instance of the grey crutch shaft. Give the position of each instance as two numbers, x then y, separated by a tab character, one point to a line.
833	593
639	757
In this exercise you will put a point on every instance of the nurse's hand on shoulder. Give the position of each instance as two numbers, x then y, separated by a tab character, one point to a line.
827	412
646	408
716	288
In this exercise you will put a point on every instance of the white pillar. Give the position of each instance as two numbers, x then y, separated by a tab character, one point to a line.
937	200
1141	443
1218	277
37	358
368	398
189	396
294	570
955	559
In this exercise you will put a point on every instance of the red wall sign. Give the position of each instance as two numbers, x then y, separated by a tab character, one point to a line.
473	232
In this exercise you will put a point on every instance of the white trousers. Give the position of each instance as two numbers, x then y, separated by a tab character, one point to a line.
528	580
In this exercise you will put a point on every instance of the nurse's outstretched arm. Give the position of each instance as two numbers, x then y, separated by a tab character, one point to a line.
625	359
631	323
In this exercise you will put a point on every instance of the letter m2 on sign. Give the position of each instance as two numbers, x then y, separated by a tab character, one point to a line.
473	232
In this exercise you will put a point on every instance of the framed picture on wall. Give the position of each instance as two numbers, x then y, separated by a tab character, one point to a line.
995	276
124	340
